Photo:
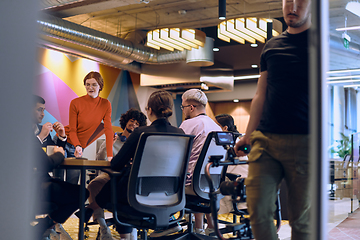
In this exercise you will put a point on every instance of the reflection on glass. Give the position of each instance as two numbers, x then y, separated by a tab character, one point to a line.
344	138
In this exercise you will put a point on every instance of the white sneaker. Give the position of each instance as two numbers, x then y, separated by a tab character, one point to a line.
200	231
51	234
133	234
61	231
209	231
105	233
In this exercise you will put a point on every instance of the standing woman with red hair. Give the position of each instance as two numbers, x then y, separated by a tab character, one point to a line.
85	121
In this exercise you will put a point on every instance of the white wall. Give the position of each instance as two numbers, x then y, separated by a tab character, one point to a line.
242	91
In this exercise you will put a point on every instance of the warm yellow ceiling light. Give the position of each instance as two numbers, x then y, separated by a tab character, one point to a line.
175	38
249	29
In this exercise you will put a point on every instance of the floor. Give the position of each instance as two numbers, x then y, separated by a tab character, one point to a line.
342	224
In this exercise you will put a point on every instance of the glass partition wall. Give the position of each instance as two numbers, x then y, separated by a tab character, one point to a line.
343	82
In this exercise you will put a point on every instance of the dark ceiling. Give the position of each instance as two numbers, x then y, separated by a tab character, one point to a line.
119	18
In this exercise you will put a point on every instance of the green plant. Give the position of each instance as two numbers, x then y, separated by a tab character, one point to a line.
343	147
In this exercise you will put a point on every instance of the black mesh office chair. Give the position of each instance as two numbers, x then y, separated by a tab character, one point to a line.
197	194
198	199
156	182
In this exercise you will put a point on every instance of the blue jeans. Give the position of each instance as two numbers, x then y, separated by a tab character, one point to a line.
274	157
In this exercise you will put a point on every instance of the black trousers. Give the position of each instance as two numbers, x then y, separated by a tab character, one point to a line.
64	195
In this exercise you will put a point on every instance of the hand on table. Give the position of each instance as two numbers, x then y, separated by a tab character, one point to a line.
59	149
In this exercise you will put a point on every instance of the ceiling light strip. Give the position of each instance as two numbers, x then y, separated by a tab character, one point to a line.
329	78
348	28
343	81
343	77
247	77
354	85
344	71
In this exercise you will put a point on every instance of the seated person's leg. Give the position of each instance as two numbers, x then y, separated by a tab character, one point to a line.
124	231
103	198
95	187
66	197
199	223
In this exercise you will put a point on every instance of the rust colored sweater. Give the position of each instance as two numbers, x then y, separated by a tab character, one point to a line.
86	114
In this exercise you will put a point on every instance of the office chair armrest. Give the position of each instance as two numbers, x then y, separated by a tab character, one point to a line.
232	176
111	172
113	182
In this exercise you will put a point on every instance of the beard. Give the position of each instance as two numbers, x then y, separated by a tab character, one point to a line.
296	24
129	130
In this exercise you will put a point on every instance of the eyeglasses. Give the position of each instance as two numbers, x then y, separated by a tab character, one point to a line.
94	85
182	107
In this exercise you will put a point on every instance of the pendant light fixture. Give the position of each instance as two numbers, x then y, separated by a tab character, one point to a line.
249	29
175	38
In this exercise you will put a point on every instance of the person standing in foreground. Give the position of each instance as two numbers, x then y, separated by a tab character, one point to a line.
278	128
85	119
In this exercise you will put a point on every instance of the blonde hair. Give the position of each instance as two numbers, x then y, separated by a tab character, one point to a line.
195	95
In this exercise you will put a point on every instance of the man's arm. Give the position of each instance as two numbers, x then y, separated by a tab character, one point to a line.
256	110
60	131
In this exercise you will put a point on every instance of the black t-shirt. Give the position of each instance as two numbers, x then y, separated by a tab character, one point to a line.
286	105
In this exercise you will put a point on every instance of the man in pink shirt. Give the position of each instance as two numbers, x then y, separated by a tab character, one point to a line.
199	124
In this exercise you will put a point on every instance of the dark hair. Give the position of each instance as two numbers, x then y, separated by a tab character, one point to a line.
226	120
132	114
161	103
38	99
97	76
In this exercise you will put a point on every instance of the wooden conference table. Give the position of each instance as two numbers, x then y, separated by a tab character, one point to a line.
83	164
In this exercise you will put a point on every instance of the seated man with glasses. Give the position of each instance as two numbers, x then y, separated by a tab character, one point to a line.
199	124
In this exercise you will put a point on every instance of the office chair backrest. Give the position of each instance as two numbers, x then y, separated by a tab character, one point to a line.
199	183
157	177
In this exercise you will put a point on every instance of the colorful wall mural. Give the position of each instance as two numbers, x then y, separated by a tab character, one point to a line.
60	79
